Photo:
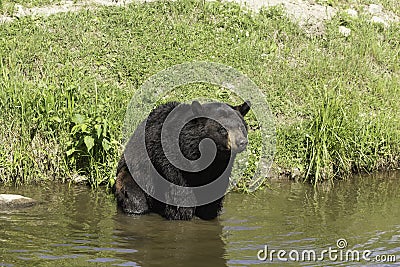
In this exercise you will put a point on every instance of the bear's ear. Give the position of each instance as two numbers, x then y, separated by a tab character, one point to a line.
197	108
243	108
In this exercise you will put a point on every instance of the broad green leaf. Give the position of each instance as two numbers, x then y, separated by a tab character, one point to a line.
84	127
78	119
89	142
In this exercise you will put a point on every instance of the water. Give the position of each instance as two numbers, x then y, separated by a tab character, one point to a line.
75	226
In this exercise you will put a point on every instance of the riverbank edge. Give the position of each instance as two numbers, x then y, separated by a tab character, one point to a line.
277	171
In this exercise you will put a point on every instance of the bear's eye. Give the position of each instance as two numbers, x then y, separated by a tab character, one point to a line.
222	131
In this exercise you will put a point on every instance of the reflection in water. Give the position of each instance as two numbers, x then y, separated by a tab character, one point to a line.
171	243
75	226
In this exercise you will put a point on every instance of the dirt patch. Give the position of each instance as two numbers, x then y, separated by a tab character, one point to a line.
62	7
309	16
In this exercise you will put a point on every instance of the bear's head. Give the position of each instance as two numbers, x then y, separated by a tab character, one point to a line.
224	124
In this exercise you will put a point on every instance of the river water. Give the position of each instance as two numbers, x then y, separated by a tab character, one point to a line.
77	226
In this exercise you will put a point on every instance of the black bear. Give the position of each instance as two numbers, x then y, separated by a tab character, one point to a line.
146	156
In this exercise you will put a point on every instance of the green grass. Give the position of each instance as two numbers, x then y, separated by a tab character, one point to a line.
66	80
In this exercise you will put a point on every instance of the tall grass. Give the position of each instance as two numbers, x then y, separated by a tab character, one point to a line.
326	152
339	140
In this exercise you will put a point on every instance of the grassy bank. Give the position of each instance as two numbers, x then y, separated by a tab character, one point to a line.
66	80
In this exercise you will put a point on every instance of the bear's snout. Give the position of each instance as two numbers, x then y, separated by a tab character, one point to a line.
242	143
237	142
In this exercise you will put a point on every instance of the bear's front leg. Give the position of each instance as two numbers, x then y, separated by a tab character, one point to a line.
130	196
182	197
209	211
